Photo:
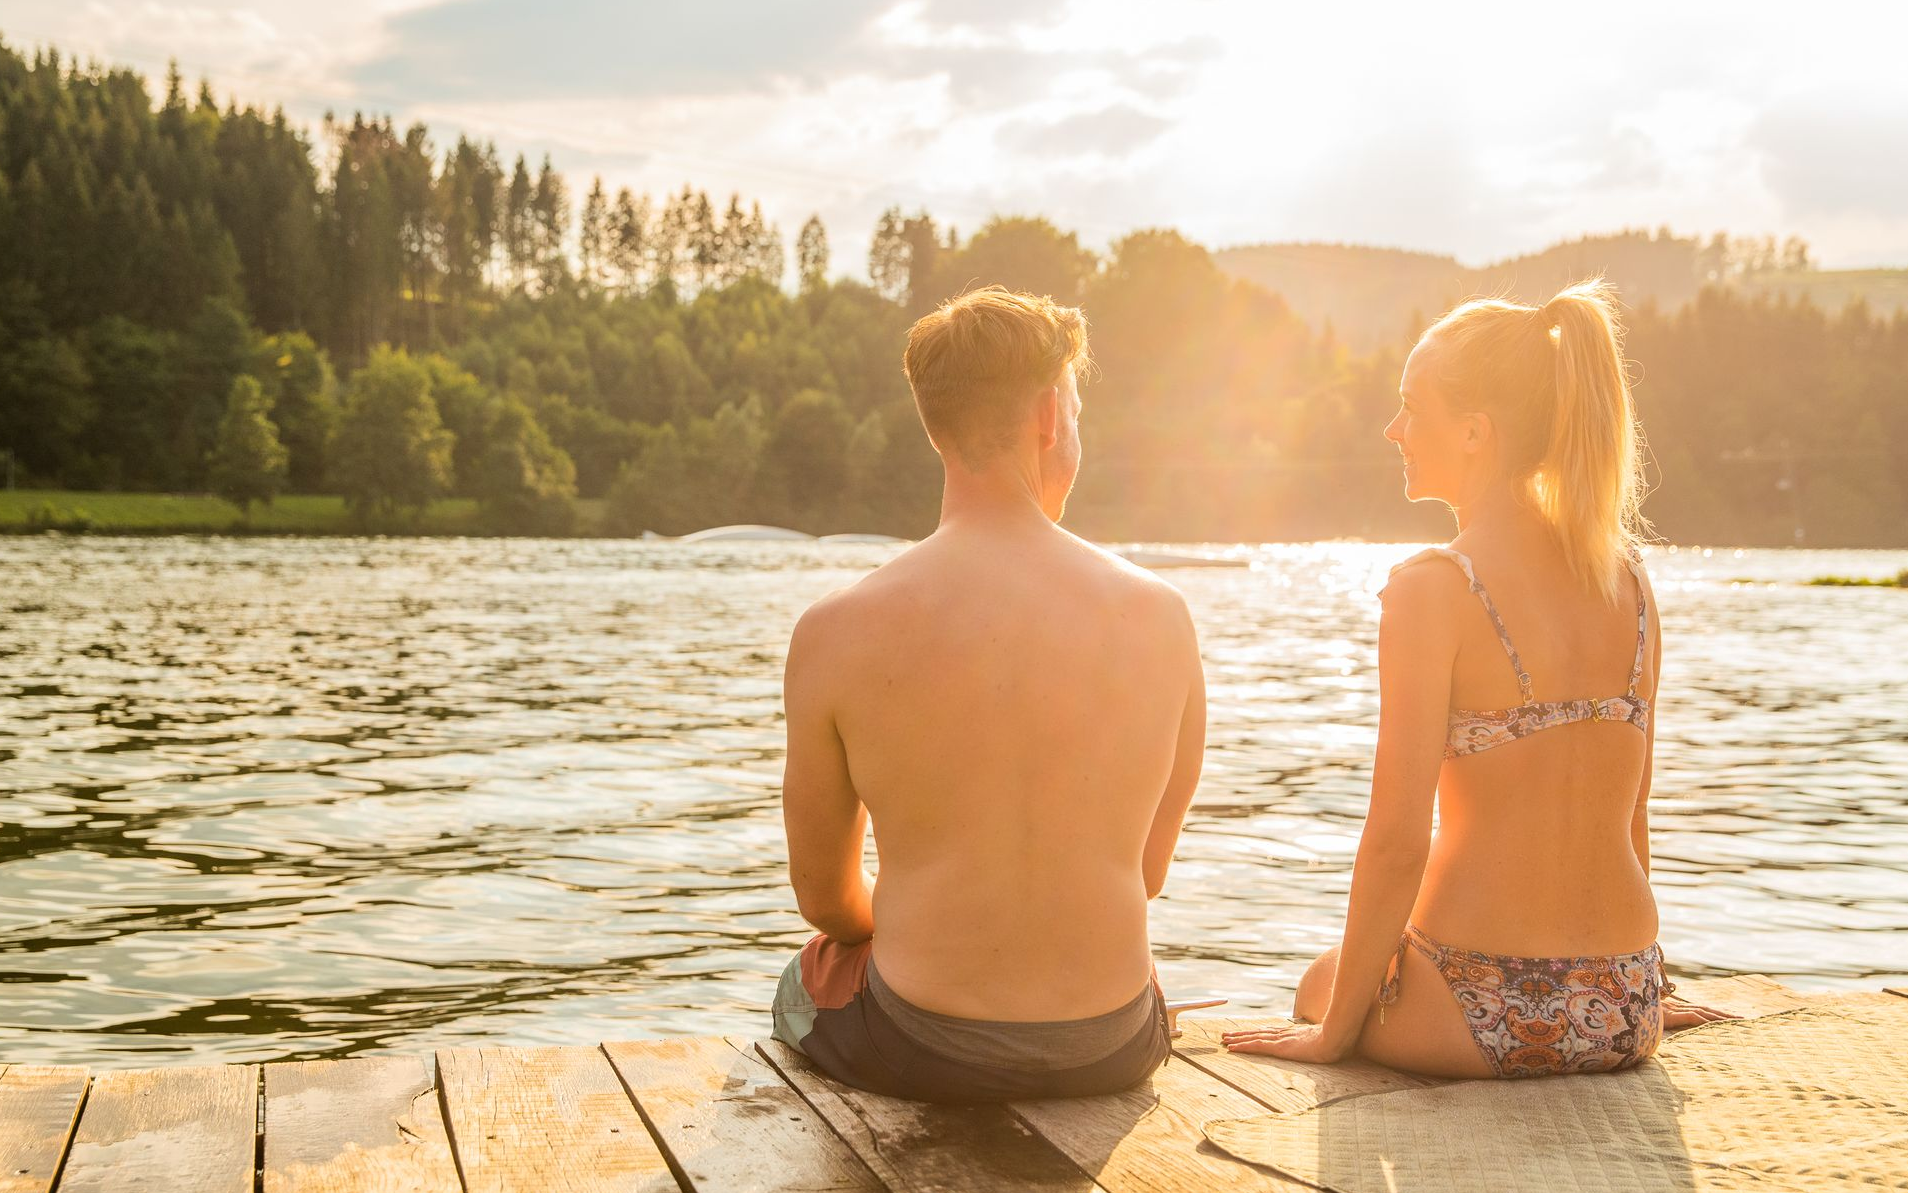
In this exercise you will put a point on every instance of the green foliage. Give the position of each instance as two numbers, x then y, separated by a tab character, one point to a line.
525	483
652	493
248	462
392	452
297	378
1898	580
1019	253
46	403
805	462
707	475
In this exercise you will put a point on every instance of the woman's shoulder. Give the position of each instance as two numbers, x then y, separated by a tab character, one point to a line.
1432	573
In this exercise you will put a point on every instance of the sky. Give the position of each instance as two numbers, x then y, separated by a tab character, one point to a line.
1481	129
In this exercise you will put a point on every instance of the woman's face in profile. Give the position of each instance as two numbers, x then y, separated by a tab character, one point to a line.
1429	436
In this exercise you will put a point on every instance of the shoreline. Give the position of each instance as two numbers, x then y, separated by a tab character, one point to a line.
105	514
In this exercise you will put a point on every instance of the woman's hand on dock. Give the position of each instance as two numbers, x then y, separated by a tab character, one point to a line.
1301	1041
1678	1014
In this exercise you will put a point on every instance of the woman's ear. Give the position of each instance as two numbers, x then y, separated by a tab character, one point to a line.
1048	411
1477	431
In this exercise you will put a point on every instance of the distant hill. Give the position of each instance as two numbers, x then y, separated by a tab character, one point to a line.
1375	297
1884	290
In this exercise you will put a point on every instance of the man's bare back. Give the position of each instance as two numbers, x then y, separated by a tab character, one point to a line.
1022	716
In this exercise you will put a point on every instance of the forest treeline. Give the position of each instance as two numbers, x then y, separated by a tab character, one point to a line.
196	297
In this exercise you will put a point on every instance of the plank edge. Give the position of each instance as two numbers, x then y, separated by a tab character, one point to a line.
676	1170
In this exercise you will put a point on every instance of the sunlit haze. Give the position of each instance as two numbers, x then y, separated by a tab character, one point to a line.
1480	130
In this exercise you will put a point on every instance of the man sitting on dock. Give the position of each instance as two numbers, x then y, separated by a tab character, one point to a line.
1021	715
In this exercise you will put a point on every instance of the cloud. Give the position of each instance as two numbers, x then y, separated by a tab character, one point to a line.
1407	183
991	14
1847	162
1111	131
461	51
466	50
1621	158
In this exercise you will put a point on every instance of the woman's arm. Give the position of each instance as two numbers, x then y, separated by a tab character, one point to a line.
1640	817
1417	647
1676	1012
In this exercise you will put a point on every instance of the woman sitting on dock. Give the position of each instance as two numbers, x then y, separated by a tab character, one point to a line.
1517	672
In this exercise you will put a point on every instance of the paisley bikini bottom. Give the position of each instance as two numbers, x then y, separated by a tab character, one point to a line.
1533	1016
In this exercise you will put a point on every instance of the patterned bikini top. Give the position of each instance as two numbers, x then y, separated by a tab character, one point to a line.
1474	730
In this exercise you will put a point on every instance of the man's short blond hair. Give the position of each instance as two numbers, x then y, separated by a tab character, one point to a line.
975	361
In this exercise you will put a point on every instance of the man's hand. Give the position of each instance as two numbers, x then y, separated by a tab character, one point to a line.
1174	1008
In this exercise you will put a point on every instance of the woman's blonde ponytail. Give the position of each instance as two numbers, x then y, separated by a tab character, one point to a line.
1552	379
1588	484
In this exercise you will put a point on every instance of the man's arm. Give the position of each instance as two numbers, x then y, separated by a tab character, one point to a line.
1188	757
824	818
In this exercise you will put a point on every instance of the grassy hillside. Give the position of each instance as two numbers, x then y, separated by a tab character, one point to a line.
31	510
1884	290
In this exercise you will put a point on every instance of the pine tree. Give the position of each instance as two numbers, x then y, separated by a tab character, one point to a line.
766	257
629	235
518	223
594	238
550	208
888	257
703	241
811	255
248	463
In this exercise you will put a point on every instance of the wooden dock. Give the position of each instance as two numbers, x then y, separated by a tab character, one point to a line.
693	1114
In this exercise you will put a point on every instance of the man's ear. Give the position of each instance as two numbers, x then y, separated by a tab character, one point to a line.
1047	410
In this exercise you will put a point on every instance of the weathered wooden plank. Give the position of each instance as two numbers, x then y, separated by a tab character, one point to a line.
1283	1085
1901	990
547	1119
1749	995
1148	1139
190	1130
727	1121
914	1147
39	1104
366	1125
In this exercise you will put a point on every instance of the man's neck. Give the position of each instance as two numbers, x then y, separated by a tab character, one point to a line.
997	498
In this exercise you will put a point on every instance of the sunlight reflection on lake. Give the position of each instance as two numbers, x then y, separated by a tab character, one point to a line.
263	799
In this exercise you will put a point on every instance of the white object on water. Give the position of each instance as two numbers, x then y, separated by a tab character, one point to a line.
1168	559
746	534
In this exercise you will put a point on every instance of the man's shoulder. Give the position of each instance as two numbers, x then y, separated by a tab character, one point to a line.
848	608
1130	579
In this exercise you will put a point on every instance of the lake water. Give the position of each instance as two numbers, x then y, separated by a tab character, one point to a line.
282	798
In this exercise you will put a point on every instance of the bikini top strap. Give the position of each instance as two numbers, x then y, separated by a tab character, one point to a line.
1642	623
1503	635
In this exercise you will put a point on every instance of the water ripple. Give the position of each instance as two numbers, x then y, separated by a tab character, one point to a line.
309	798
